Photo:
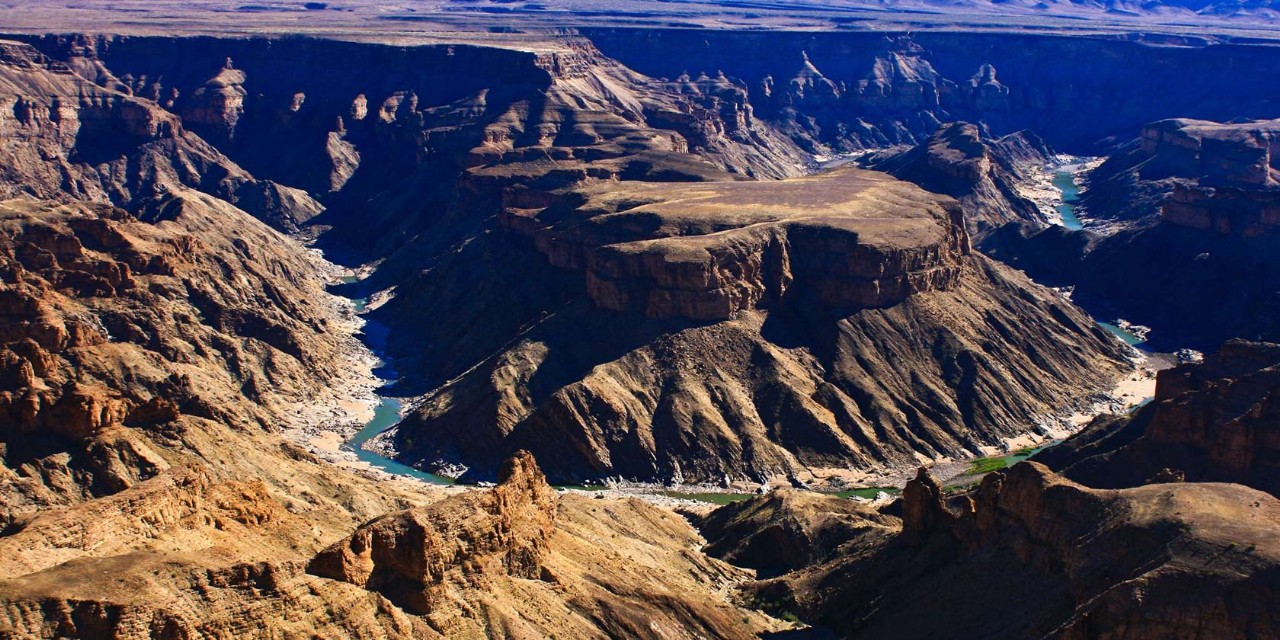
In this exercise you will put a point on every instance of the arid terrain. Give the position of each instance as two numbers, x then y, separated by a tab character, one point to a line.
639	319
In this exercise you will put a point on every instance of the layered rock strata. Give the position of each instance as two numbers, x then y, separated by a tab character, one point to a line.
1210	422
1192	208
519	561
707	251
981	173
1040	556
67	137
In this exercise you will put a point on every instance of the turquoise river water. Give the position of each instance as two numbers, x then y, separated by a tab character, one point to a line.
1065	181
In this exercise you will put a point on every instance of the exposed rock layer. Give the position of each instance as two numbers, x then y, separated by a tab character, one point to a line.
842	240
67	137
1031	554
519	561
981	173
1196	209
1210	422
856	90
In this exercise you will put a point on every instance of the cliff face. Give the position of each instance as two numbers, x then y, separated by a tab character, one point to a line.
708	251
1192	173
861	90
153	354
66	137
1211	422
979	172
1041	556
150	364
396	127
113	328
791	529
1193	213
697	331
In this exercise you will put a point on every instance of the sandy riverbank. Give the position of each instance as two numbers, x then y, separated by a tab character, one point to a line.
1039	187
336	413
324	426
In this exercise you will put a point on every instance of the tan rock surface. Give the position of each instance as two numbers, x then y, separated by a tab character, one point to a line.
518	561
1031	554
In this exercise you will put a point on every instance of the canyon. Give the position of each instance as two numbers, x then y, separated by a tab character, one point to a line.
1190	206
610	258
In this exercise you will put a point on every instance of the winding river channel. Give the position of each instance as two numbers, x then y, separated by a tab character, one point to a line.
387	413
1065	182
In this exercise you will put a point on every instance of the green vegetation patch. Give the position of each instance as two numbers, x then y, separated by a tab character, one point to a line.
986	465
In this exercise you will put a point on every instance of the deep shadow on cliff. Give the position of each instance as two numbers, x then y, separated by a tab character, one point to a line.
700	331
1028	554
1191	240
1159	524
1210	422
864	90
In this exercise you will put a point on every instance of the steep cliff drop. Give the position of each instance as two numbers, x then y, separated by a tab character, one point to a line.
1173	536
980	172
162	351
1210	422
521	559
626	274
1032	554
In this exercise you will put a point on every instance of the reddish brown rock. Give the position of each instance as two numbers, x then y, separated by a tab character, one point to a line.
1210	422
1040	556
980	172
408	556
846	240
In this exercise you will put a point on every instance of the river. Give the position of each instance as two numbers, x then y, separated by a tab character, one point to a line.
1065	181
387	413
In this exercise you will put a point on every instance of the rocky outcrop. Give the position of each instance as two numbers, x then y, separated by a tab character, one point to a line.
981	173
789	529
407	556
1135	563
844	240
1209	422
1192	224
113	330
859	89
514	560
1243	155
354	124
